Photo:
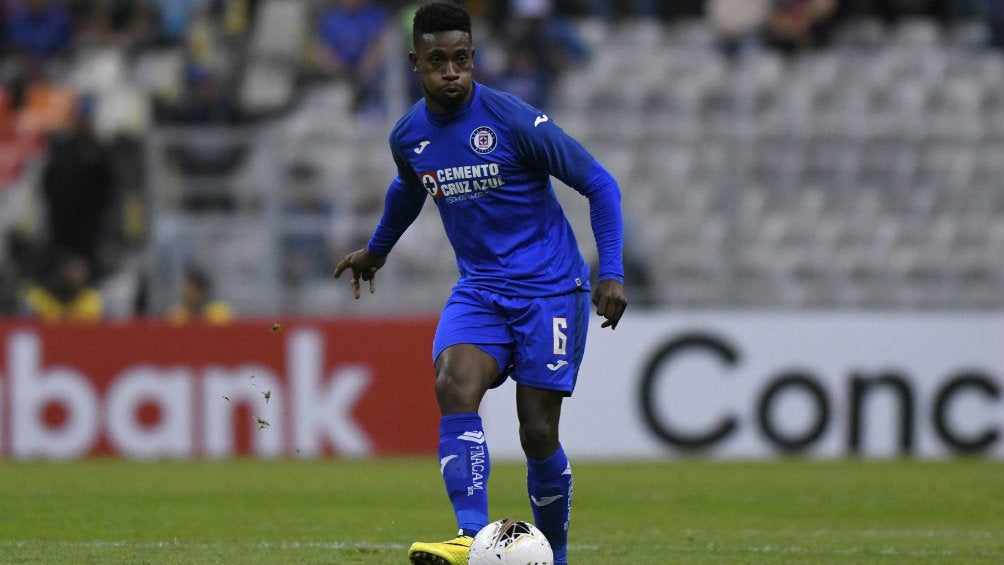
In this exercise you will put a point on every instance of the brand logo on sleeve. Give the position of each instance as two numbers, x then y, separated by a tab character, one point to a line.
540	119
483	140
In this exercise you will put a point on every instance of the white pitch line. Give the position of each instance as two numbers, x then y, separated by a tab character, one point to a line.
335	545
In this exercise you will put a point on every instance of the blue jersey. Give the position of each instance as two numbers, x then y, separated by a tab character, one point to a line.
487	166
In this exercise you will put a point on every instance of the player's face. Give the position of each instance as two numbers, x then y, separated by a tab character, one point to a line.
444	61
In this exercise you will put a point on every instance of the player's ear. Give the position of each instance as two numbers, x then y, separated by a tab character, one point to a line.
413	58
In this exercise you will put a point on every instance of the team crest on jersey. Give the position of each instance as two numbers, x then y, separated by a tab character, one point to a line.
483	140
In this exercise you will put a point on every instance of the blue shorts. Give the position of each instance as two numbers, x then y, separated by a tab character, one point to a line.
537	342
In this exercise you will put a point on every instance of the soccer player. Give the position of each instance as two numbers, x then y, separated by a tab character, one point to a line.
520	308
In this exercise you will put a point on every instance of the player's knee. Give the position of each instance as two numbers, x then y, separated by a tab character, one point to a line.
538	438
456	394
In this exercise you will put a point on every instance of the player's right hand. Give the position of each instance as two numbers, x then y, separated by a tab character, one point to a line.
364	265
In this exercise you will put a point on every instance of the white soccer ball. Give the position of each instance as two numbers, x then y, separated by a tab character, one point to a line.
510	542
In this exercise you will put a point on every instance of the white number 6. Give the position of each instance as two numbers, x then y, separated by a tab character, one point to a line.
560	339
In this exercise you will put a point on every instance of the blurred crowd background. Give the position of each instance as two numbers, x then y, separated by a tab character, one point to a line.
187	158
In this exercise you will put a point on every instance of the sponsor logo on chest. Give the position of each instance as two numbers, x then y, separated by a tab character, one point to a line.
462	182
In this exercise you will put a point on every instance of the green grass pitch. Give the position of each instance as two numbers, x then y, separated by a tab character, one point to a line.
691	512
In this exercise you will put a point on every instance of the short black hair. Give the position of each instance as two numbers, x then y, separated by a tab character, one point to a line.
439	16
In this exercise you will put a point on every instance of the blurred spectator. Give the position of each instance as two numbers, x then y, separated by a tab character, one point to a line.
28	256
891	11
996	18
197	303
991	11
17	144
65	293
47	107
612	10
11	268
351	47
239	16
739	24
203	100
175	16
4	27
797	25
525	77
544	45
125	24
206	94
39	29
79	187
9	280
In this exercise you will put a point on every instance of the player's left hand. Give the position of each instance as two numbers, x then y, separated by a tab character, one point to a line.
610	301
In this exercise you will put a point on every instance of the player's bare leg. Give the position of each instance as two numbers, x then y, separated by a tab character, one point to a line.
539	412
548	476
463	375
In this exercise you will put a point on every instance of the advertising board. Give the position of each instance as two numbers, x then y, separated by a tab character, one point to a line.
753	385
350	388
669	384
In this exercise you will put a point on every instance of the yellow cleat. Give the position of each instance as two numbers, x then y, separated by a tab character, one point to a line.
452	552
